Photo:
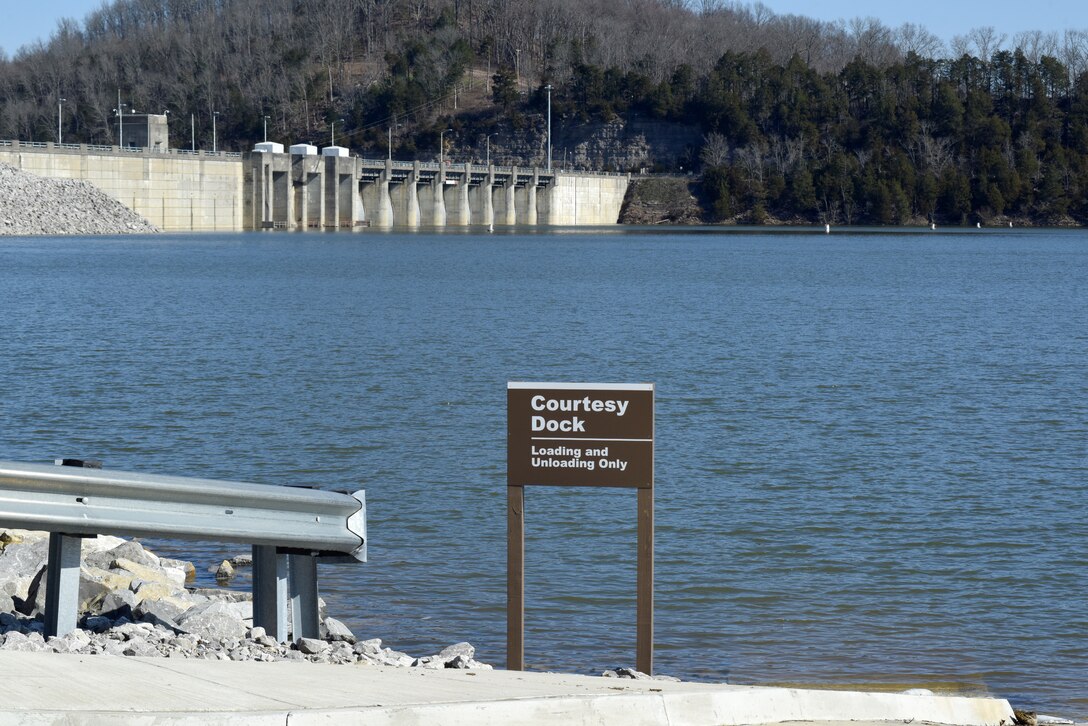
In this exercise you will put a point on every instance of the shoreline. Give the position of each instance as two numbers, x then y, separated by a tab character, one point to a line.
145	608
671	199
135	604
695	228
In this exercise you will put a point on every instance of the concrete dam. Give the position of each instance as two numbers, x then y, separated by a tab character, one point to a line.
180	190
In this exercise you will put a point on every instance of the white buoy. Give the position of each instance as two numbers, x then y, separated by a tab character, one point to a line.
827	229
1010	224
933	225
978	225
491	227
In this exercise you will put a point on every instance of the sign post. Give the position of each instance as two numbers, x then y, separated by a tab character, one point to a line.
579	434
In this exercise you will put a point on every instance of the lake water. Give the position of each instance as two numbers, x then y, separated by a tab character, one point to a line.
872	449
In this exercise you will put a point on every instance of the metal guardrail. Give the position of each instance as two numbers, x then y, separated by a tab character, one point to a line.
367	163
289	529
456	166
49	146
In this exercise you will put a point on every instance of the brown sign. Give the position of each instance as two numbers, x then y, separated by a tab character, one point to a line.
580	434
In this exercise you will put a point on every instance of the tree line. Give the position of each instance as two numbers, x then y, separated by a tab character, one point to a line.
913	141
844	122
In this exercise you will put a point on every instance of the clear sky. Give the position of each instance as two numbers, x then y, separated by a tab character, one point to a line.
24	21
947	18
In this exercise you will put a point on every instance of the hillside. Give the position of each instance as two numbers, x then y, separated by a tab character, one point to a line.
783	117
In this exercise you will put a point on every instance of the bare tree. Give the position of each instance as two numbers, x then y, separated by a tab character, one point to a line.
1035	44
916	39
803	36
873	40
929	152
761	14
1074	51
750	159
715	150
960	46
986	41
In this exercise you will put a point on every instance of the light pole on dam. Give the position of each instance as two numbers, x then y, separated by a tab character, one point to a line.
548	88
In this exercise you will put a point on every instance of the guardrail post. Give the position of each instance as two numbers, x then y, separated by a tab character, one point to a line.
62	584
270	591
288	529
303	587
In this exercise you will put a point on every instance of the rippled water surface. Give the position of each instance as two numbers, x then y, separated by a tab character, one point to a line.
872	455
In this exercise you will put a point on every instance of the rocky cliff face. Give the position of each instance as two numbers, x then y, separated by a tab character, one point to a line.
620	145
629	145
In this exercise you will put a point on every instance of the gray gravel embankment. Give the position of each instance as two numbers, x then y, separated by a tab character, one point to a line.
134	603
34	205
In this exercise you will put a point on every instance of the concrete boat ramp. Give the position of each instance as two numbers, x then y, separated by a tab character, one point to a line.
46	688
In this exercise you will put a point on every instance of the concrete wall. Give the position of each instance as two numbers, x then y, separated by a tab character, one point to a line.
199	192
387	194
576	199
204	191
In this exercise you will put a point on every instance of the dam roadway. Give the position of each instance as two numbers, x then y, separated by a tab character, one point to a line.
181	190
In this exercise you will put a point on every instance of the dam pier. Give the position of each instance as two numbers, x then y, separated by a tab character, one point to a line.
303	189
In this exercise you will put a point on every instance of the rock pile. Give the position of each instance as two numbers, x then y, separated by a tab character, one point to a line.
632	674
661	200
33	205
138	604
